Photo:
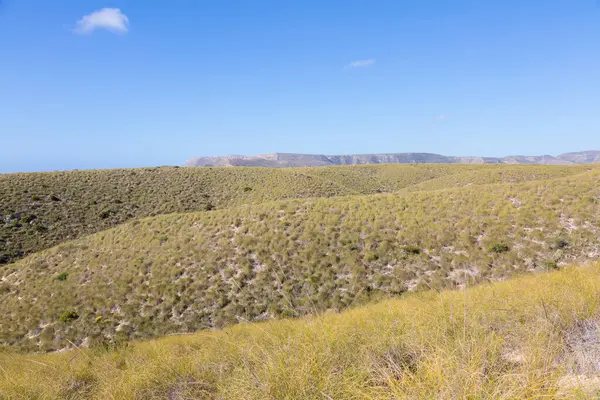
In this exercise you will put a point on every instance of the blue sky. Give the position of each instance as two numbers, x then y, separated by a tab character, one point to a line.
182	78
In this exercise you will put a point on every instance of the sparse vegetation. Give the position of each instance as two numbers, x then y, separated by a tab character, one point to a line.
71	204
526	338
184	272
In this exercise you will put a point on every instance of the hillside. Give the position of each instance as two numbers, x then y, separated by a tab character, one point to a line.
279	160
529	338
183	272
41	210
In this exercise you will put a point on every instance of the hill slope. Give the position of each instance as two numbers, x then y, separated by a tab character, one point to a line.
278	160
41	210
184	272
529	338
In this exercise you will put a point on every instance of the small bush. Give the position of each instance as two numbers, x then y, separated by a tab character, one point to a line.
412	250
561	243
35	198
29	218
498	248
69	316
551	264
105	214
4	288
371	256
62	276
41	228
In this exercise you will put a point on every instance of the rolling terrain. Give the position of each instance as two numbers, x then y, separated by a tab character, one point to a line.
528	338
99	265
183	272
41	210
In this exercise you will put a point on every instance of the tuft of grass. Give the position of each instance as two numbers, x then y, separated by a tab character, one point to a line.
515	339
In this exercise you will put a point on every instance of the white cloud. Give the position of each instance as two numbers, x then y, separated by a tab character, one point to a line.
111	19
361	63
442	117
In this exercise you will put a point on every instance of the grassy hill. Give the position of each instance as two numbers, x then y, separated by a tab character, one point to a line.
183	272
41	210
529	338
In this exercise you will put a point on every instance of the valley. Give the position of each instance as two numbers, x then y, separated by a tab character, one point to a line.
103	263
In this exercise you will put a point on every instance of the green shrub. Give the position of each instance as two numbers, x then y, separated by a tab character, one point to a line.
29	218
551	264
69	316
561	243
498	248
62	276
371	256
105	214
4	288
414	250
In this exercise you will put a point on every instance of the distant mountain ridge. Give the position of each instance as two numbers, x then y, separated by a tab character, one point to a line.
282	160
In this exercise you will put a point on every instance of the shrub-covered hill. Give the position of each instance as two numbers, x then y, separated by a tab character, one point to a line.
534	337
183	272
40	210
508	174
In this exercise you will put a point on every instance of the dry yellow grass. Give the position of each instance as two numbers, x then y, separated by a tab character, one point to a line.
505	340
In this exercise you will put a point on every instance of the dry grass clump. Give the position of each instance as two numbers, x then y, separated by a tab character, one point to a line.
184	272
509	340
40	210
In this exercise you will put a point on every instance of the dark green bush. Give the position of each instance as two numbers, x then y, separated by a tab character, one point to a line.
561	243
39	228
62	276
68	316
412	250
498	248
105	214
